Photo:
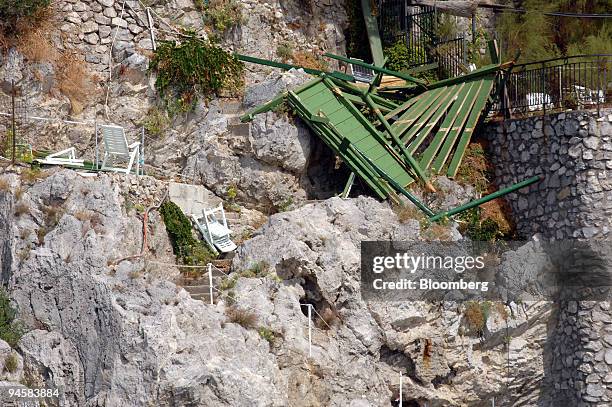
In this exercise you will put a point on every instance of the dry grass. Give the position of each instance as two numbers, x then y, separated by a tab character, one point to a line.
407	212
74	81
476	315
4	185
244	317
476	170
21	208
32	175
73	78
308	60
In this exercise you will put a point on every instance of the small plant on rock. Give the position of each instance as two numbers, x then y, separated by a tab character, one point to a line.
11	329
222	14
11	363
267	334
241	316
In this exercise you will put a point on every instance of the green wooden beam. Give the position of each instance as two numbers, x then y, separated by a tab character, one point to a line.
400	75
411	161
479	73
266	107
485	199
466	135
401	189
462	116
286	67
373	34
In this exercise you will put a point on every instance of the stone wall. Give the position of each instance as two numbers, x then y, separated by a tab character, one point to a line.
572	151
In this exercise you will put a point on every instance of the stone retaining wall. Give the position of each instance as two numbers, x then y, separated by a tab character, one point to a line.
572	151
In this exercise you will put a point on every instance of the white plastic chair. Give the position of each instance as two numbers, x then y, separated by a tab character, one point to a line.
215	231
64	157
116	149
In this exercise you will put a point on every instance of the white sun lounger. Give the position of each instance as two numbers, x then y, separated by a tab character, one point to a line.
64	157
117	150
214	231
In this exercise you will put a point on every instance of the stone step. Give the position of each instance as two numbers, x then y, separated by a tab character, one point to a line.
239	129
197	289
231	107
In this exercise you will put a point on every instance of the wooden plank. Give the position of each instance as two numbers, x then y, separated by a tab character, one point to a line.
481	101
435	118
408	118
462	116
401	108
445	99
373	34
446	126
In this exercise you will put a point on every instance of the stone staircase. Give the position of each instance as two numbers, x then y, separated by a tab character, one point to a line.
198	287
232	110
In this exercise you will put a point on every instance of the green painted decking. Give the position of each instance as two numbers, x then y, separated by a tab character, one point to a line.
388	144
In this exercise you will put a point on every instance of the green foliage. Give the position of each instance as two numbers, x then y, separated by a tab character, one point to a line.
541	37
231	192
11	11
400	58
478	229
221	14
189	250
23	153
11	330
284	51
194	68
156	121
285	205
267	334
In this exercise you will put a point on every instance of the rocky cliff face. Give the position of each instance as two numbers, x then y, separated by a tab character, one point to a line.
120	332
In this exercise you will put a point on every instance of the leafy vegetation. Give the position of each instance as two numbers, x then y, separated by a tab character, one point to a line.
539	37
11	329
189	250
194	68
478	228
221	14
267	334
400	58
284	51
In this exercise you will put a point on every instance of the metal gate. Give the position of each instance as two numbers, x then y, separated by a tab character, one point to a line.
416	26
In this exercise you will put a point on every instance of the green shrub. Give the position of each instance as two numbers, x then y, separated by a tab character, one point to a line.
478	229
284	51
156	121
189	250
222	14
194	68
401	58
11	329
12	11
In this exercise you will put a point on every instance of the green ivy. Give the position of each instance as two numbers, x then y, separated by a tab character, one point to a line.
189	250
194	68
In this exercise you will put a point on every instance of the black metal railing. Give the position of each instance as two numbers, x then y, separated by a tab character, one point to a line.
575	82
417	27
